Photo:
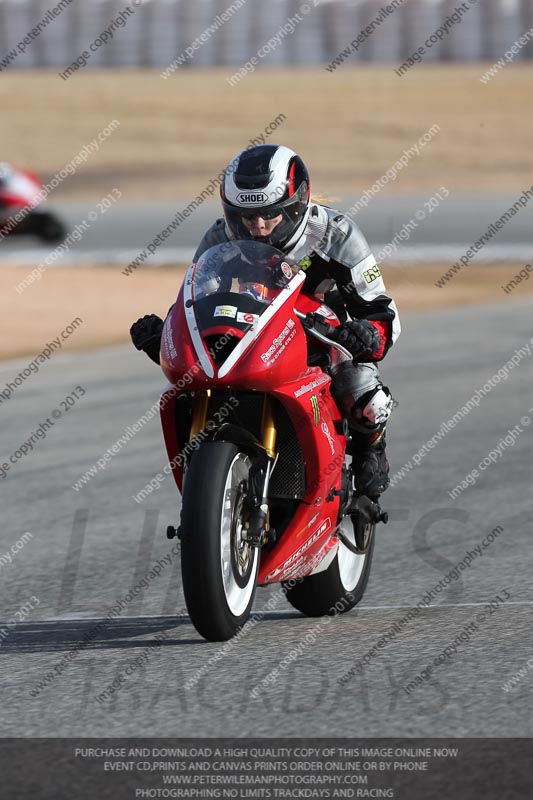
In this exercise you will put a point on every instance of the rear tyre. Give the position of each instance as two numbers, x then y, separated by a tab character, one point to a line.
219	570
341	586
48	227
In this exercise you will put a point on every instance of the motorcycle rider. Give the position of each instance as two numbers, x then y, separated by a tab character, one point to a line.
266	196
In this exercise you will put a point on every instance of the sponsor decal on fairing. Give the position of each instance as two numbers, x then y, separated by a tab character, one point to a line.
297	558
225	311
169	343
280	342
327	433
286	269
249	319
308	387
316	409
306	527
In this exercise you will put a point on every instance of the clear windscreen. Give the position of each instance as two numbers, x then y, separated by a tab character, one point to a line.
234	282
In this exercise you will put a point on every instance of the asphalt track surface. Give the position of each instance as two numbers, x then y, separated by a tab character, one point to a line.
90	547
442	233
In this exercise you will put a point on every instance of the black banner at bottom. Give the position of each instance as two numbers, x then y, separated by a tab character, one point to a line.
127	769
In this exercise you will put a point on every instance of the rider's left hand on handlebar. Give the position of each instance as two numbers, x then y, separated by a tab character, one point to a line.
146	335
358	336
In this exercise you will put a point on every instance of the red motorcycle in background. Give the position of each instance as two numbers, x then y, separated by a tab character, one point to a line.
257	443
22	212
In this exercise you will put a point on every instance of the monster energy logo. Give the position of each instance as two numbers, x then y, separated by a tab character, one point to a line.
316	409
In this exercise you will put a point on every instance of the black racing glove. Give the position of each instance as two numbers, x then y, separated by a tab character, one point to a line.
358	336
146	335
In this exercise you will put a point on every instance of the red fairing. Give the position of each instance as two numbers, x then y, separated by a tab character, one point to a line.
167	409
307	304
21	189
13	200
276	354
308	539
268	355
178	356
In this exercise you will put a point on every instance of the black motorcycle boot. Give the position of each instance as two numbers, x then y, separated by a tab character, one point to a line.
370	464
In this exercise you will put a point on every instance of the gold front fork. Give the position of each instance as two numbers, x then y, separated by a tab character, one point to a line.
199	415
268	428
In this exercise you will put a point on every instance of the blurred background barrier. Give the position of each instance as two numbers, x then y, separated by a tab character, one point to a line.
157	32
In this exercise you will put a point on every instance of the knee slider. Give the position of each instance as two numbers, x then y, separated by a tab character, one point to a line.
378	406
371	411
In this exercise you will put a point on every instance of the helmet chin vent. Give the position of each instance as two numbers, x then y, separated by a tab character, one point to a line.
253	181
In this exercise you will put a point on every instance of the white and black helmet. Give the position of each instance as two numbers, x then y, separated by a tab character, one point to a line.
5	172
267	181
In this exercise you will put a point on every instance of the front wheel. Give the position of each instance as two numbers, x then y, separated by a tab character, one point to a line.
219	570
341	586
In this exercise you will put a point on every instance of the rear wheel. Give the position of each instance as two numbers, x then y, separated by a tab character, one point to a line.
341	586
219	570
48	227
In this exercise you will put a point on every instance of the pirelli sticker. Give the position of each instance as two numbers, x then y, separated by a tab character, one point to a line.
316	409
372	274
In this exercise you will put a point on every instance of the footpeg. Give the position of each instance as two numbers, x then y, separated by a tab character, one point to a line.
341	426
368	511
365	514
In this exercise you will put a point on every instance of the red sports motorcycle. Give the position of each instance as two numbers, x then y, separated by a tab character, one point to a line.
19	194
257	443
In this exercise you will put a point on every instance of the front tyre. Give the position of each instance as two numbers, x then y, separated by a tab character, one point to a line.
342	585
219	570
